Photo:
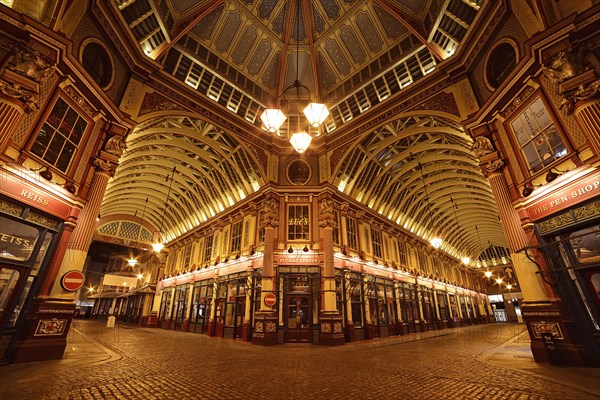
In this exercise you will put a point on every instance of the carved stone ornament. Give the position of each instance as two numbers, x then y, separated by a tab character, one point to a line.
567	65
583	92
32	64
115	145
482	146
16	92
492	166
574	76
104	165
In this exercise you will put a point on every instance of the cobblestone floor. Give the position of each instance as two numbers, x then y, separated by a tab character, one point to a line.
131	363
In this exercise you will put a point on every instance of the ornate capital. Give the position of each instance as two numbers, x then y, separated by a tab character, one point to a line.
492	166
115	146
15	91
270	213
31	64
104	165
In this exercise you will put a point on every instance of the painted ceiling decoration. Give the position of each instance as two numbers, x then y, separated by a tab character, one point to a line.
353	55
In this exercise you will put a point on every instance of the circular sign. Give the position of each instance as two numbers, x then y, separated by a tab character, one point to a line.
72	280
270	299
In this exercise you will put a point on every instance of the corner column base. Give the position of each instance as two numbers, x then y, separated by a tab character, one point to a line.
553	335
265	329
330	330
44	333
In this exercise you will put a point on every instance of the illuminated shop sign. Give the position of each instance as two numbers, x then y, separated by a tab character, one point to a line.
565	197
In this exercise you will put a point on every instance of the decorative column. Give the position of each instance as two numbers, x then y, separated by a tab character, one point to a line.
265	320
436	304
587	114
530	281
77	248
248	306
330	321
419	325
540	313
20	84
348	299
368	325
579	90
399	320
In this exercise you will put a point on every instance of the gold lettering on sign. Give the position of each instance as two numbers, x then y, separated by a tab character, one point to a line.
32	196
298	221
564	198
14	239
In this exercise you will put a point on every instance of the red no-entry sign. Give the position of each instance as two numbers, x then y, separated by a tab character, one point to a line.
72	280
270	299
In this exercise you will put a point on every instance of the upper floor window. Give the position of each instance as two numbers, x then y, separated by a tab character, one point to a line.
60	135
187	256
376	239
236	237
208	248
539	140
97	62
352	233
298	222
501	62
402	253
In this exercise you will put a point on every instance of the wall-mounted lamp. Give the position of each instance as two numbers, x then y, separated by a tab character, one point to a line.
70	187
551	175
527	189
46	174
290	250
305	249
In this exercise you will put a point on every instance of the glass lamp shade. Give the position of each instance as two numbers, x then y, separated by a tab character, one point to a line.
436	242
132	262
273	118
300	141
466	260
316	113
157	246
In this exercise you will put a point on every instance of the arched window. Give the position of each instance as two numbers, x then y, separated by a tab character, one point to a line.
501	62
97	63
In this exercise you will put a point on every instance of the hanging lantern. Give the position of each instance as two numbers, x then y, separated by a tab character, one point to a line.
300	141
273	118
316	113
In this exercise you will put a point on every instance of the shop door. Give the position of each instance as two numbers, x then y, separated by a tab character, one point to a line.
298	319
240	309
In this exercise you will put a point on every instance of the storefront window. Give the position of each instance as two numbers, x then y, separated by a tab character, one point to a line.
17	240
586	244
8	282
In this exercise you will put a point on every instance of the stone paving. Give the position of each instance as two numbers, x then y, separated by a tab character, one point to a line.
130	363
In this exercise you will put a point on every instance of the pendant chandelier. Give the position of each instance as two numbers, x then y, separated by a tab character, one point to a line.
315	113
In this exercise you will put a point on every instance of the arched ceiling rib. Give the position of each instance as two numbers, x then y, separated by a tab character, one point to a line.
410	169
212	172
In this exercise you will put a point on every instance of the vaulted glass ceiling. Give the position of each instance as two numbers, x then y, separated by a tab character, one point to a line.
417	170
